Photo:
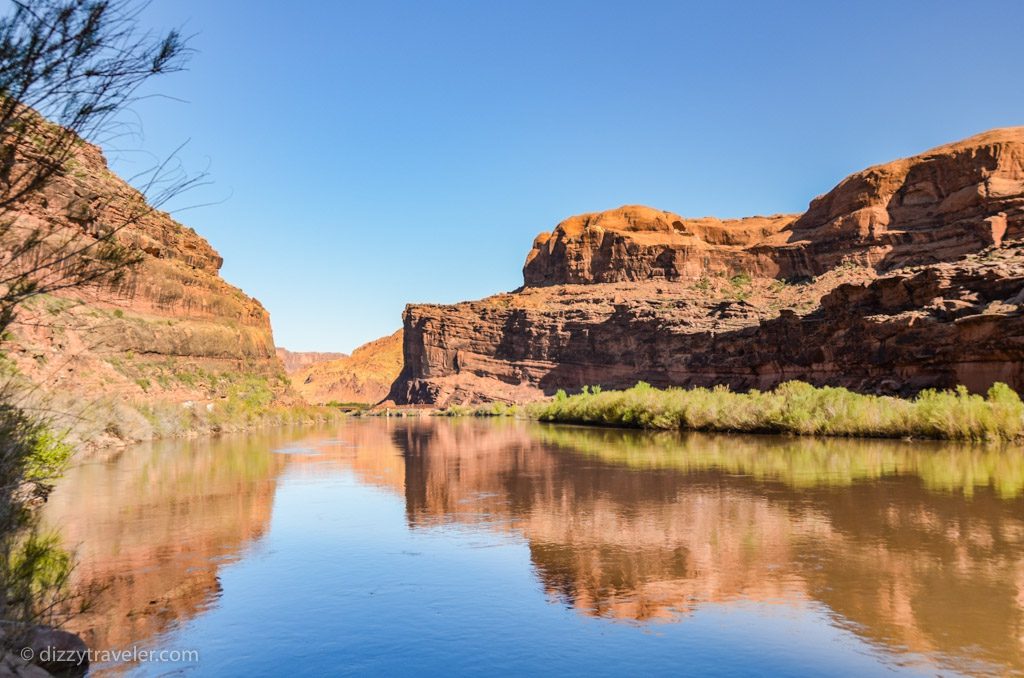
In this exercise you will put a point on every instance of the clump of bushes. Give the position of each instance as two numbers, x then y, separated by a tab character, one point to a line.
797	408
494	409
34	569
350	405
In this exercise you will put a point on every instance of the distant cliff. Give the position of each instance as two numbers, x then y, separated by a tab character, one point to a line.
294	361
363	377
906	275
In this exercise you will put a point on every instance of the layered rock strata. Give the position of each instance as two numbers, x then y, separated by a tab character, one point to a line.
905	276
170	330
296	361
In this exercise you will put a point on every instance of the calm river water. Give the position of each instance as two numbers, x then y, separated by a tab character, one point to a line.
470	546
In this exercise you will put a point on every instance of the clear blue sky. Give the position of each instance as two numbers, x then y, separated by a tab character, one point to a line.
370	154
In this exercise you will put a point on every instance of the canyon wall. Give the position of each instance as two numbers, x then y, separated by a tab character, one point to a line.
170	337
905	276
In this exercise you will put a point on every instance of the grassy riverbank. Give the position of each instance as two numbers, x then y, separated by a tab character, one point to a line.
797	408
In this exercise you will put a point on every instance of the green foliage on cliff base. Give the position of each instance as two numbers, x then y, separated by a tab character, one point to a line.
797	408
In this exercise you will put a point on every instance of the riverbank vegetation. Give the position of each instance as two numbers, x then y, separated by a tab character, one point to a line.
796	408
495	409
152	420
33	567
67	69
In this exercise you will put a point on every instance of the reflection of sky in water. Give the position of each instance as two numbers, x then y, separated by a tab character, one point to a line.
307	451
457	601
314	448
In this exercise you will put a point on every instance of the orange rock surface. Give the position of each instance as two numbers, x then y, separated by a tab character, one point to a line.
363	377
905	276
294	361
171	331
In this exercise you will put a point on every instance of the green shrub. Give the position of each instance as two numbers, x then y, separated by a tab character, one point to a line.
797	408
48	455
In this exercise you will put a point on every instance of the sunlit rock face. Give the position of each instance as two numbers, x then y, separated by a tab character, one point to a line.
363	377
294	361
905	276
937	206
171	330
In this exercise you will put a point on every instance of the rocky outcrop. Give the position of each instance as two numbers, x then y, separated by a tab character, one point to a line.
937	206
295	361
364	377
636	243
905	276
171	330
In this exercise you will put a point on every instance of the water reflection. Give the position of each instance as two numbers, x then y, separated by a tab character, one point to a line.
918	549
805	462
151	529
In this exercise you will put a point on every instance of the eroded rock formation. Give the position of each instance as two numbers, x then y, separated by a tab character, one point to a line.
937	206
906	275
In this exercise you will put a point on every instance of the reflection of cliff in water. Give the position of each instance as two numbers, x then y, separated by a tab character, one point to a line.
152	531
915	547
152	528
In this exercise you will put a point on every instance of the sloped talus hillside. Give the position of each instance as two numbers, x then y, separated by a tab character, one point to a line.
363	377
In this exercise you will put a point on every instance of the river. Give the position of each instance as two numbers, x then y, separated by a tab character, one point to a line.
436	546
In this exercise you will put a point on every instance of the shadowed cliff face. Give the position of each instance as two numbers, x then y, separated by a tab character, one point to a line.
917	548
905	276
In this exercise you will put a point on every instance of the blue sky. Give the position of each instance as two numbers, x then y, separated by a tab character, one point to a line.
369	154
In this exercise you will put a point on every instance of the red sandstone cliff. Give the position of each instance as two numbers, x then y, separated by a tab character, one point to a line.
906	275
169	339
295	361
937	206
